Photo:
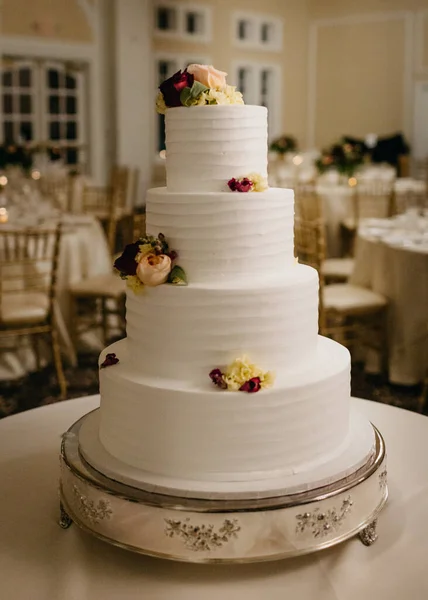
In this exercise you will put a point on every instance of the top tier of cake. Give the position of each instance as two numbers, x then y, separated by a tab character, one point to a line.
208	145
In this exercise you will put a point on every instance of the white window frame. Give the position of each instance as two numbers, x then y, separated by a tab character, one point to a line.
253	94
180	32
256	21
182	60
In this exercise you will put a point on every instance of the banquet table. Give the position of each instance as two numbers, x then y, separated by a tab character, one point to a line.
391	258
84	253
41	561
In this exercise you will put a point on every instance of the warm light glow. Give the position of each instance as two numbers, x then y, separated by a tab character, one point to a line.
35	175
3	215
297	160
352	182
3	180
162	154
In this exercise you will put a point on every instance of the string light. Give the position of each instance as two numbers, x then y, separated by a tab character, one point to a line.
297	160
3	215
35	175
162	154
3	180
352	182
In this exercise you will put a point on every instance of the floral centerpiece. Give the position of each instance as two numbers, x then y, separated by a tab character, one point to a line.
344	157
149	262
243	376
283	144
197	85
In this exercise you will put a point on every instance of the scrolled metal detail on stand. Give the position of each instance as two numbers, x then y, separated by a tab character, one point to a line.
323	523
94	513
368	535
383	477
202	537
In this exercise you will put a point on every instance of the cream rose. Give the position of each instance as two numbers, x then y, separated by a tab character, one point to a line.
153	269
207	75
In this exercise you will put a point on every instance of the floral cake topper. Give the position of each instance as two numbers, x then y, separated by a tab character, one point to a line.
149	261
197	85
242	375
250	183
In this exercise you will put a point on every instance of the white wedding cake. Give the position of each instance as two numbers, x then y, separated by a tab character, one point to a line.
176	407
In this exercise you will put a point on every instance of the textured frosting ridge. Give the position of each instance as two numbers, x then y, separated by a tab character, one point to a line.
208	145
226	236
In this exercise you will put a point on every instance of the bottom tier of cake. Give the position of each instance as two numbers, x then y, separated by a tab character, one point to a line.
210	435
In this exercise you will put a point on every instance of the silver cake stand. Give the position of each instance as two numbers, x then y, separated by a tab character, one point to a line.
226	530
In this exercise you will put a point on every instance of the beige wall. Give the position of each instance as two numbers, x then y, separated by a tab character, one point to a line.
321	9
360	80
52	19
425	40
292	59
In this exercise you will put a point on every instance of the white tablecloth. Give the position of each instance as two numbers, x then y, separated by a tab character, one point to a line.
40	561
84	253
400	273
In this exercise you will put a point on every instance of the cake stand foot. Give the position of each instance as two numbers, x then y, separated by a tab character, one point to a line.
368	535
64	519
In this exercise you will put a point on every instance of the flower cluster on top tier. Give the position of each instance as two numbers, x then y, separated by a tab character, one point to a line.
250	183
195	86
110	360
149	261
242	375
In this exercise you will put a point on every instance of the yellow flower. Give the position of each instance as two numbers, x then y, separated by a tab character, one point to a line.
217	97
260	183
134	284
240	371
233	95
267	379
160	104
144	250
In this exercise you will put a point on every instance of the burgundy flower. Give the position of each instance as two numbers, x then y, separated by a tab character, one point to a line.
233	184
245	185
216	377
251	386
126	263
171	88
110	359
173	255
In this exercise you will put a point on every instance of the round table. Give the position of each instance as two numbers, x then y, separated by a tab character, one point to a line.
387	261
41	561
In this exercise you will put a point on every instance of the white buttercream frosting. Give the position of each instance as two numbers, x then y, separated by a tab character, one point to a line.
183	333
208	145
226	236
200	432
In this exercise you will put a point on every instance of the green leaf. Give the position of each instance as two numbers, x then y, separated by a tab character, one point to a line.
177	276
189	95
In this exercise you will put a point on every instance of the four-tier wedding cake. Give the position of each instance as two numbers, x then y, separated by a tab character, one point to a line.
222	384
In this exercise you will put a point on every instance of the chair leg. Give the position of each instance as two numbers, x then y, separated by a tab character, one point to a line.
74	320
36	349
56	351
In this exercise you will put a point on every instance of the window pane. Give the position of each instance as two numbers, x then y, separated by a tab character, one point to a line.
25	77
7	104
7	78
242	30
192	22
266	32
54	130
70	82
71	156
53	78
8	132
54	154
166	19
54	105
71	131
26	130
25	104
71	105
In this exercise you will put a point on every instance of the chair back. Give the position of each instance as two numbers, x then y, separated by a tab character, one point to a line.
28	267
138	226
99	202
119	185
373	200
58	190
309	247
308	204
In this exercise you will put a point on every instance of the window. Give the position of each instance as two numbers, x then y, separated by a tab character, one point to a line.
43	104
188	22
261	85
166	66
257	31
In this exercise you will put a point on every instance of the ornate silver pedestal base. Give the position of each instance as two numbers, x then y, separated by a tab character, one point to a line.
228	530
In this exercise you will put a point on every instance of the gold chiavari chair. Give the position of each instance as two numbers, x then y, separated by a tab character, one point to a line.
28	274
138	225
308	206
349	314
59	190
